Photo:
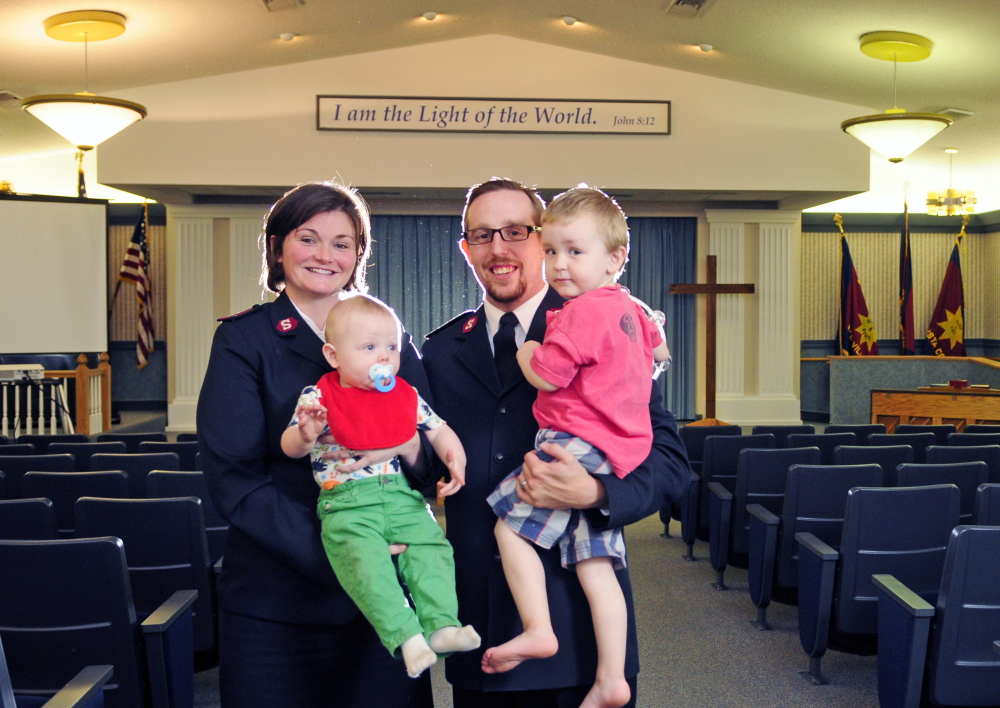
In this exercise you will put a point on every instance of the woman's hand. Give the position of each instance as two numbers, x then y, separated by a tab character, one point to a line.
409	451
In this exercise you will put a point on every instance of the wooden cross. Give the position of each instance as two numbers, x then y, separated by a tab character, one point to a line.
710	289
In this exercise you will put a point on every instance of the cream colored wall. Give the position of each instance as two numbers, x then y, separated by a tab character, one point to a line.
876	258
258	127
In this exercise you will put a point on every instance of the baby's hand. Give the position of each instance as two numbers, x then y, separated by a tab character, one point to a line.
455	459
311	419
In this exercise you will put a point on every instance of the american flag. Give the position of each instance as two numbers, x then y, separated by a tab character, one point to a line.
135	268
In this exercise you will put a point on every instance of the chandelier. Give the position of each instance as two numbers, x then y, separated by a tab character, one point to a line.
951	201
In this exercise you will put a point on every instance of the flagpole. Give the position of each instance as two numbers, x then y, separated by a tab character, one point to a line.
839	221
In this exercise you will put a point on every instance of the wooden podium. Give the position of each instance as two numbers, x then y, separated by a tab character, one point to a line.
935	406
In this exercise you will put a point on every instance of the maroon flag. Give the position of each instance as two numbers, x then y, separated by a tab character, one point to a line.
946	332
135	268
857	333
907	338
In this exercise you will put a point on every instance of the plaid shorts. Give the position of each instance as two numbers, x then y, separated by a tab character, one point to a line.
577	539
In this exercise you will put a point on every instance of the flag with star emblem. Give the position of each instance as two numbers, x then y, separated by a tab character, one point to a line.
857	333
907	338
946	332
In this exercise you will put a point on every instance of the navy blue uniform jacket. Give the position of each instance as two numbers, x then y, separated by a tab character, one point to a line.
274	566
497	428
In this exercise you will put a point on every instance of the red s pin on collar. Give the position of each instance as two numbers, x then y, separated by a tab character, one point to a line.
469	324
287	324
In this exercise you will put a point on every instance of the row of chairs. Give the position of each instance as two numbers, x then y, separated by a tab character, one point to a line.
131	440
136	466
721	455
187	452
47	509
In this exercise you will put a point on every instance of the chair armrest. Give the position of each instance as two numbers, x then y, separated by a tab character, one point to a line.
217	568
763	515
904	621
762	555
81	688
996	646
168	634
720	516
689	511
166	614
816	547
906	598
817	571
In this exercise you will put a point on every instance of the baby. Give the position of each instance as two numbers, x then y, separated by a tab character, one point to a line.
366	407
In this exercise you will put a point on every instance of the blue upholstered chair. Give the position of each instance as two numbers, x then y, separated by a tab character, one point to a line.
900	531
83	690
694	437
945	454
27	520
78	591
967	476
918	441
980	428
186	452
722	454
136	466
42	442
974	439
781	432
815	500
64	488
15	466
888	457
941	432
761	477
82	452
987	505
187	437
941	652
826	442
861	432
167	552
192	484
18	449
132	440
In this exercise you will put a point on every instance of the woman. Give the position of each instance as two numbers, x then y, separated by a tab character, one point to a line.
288	634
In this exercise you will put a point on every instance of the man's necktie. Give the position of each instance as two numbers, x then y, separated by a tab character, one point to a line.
505	349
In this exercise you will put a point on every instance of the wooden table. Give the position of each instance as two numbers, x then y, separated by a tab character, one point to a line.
935	406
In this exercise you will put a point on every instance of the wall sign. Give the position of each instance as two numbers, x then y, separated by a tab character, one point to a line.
492	115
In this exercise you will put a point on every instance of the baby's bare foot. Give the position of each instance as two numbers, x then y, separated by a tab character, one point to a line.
608	694
524	646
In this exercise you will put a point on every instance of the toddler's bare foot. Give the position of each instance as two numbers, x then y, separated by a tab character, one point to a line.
524	646
417	655
608	694
449	639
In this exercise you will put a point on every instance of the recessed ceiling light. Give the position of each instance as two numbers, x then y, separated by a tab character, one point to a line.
705	47
569	20
430	16
287	36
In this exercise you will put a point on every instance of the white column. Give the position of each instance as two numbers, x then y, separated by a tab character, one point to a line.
244	263
758	335
192	324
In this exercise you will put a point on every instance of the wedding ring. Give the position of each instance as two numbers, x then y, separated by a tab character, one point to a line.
524	484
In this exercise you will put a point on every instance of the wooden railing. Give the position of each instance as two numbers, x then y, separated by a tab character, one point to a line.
93	394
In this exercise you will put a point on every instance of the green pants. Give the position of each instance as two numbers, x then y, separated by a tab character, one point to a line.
360	518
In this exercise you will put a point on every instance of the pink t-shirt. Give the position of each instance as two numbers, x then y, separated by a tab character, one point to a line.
599	350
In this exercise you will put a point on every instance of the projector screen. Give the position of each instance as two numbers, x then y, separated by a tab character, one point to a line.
53	276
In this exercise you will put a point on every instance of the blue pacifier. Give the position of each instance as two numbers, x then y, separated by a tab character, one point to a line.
381	374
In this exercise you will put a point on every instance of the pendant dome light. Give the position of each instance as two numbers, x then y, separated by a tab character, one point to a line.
895	134
85	119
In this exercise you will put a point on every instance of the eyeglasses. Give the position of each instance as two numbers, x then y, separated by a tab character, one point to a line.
514	232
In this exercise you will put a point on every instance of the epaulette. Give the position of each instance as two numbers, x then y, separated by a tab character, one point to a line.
449	323
238	315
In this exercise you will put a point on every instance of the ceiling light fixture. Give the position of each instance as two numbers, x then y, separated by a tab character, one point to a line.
430	16
569	20
896	133
951	201
84	119
705	47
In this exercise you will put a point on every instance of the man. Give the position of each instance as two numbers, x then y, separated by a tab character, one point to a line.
488	404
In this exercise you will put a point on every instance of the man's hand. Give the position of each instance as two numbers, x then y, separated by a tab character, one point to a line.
560	484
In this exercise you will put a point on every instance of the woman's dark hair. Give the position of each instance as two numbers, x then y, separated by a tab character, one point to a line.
299	205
